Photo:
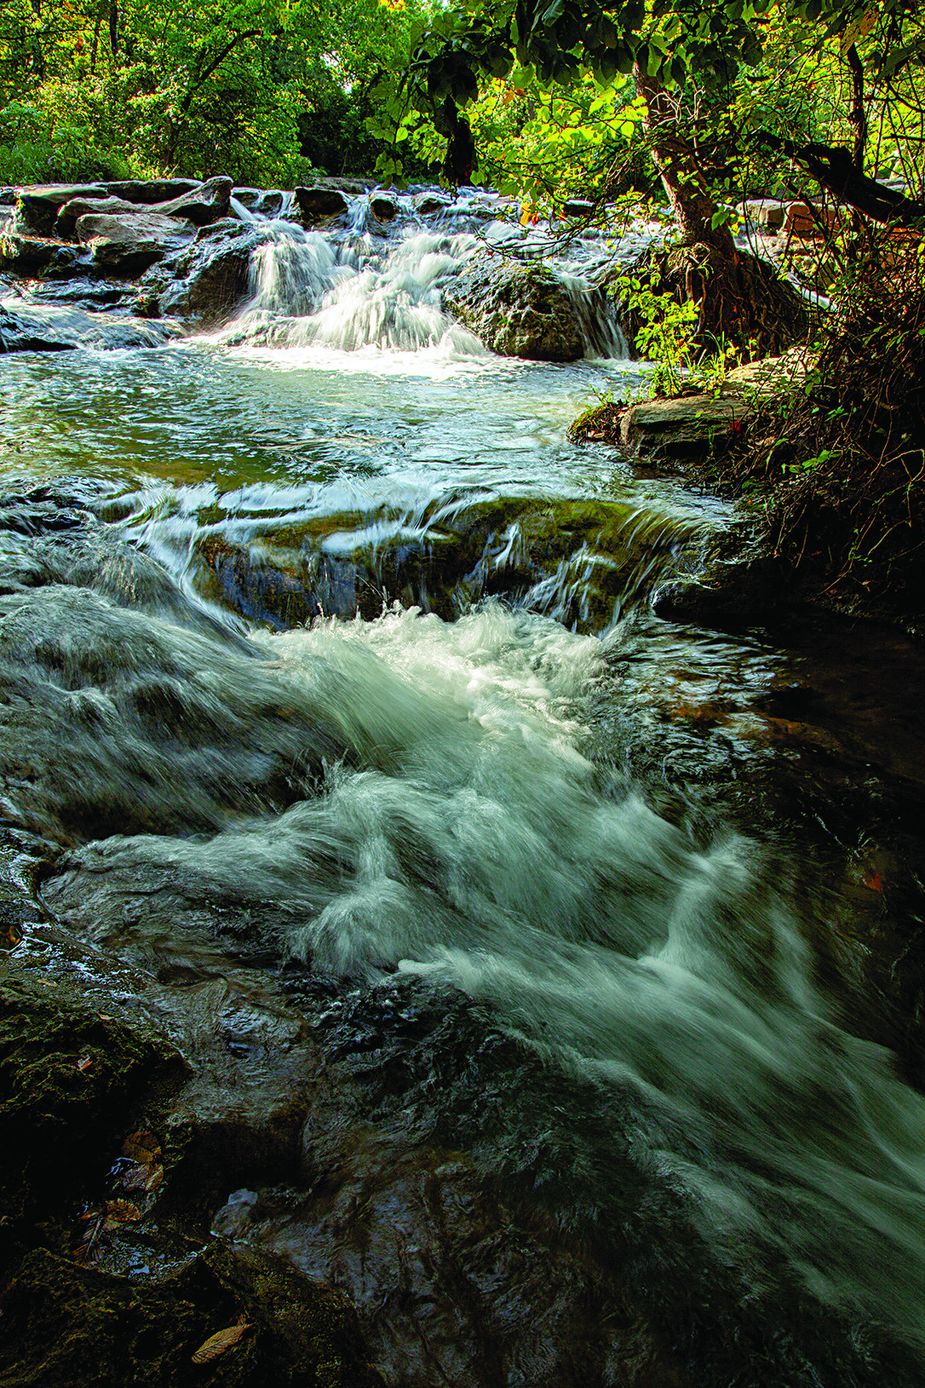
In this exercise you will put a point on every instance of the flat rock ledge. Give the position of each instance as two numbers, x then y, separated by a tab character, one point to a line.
694	426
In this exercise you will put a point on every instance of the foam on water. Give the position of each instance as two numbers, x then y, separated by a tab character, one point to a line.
464	836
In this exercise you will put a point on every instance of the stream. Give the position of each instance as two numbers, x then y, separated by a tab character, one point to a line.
333	681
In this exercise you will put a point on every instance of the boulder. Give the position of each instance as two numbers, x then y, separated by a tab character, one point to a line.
763	214
517	310
578	207
321	202
269	202
248	197
212	276
72	211
25	253
696	425
383	207
429	204
149	191
206	203
125	245
37	328
682	428
38	206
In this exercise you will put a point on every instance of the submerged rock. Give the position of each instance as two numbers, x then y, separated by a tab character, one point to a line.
36	327
517	310
580	561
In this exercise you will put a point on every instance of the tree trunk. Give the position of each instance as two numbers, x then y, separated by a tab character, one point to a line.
678	169
741	301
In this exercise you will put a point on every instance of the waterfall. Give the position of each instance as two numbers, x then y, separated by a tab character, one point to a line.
360	283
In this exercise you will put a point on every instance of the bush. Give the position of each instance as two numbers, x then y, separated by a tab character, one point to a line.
35	147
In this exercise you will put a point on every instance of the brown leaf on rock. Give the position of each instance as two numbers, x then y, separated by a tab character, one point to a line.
120	1212
142	1146
218	1343
155	1176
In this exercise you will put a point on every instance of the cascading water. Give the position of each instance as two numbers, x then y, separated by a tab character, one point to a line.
366	285
388	804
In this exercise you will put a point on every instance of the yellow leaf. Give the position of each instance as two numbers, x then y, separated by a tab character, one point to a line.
218	1343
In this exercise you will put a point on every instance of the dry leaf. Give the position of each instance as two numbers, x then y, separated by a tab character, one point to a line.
155	1176
84	1062
10	936
120	1212
218	1343
142	1147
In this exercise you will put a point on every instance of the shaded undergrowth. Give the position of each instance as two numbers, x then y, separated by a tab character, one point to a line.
837	462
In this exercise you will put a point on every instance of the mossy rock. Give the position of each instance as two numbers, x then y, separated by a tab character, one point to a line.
65	1324
517	310
71	1079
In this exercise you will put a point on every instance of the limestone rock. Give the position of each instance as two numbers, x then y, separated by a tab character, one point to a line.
26	253
428	204
517	310
383	207
206	203
152	190
211	277
128	244
37	206
321	202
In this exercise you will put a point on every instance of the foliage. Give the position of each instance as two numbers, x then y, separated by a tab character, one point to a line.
38	147
200	87
839	459
665	329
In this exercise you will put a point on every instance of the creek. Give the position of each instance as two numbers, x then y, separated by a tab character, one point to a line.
332	670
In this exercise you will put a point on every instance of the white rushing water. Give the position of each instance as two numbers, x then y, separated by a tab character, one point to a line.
444	817
463	835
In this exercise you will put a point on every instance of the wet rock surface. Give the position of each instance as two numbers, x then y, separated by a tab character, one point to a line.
581	561
126	245
211	279
517	310
377	1160
320	202
41	327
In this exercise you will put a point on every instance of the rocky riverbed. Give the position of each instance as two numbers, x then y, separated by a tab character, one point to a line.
437	945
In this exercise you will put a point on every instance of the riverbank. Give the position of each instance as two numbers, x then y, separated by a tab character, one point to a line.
826	456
